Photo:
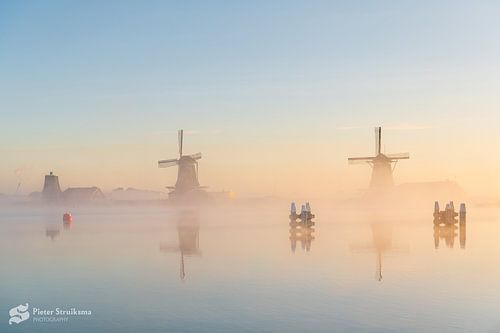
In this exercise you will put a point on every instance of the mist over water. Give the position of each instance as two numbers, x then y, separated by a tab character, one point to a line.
227	268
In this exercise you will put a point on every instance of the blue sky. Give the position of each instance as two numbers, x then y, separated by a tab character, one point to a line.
126	74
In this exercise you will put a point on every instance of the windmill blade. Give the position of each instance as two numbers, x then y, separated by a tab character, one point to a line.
182	272
378	140
180	137
360	160
399	156
196	156
167	163
353	162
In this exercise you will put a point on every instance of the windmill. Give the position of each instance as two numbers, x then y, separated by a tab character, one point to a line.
382	164
187	174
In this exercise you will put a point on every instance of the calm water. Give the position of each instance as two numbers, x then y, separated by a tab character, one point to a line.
237	270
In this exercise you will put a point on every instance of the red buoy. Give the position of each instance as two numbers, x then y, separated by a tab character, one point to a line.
67	218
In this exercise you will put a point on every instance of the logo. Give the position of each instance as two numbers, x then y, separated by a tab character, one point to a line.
19	314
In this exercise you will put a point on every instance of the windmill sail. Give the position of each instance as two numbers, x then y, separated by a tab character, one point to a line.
399	156
180	137
359	160
168	163
381	164
378	140
196	156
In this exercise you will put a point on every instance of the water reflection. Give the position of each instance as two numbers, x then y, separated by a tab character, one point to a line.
67	226
302	234
301	227
448	233
52	232
381	243
188	239
53	229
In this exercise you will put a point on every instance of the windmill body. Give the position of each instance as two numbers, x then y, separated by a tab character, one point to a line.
187	174
382	165
381	173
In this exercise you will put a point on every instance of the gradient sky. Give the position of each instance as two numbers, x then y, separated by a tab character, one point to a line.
276	95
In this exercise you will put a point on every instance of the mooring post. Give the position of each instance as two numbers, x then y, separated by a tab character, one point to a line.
463	213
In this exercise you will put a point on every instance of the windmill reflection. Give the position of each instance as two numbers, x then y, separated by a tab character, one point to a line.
52	232
188	239
381	244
